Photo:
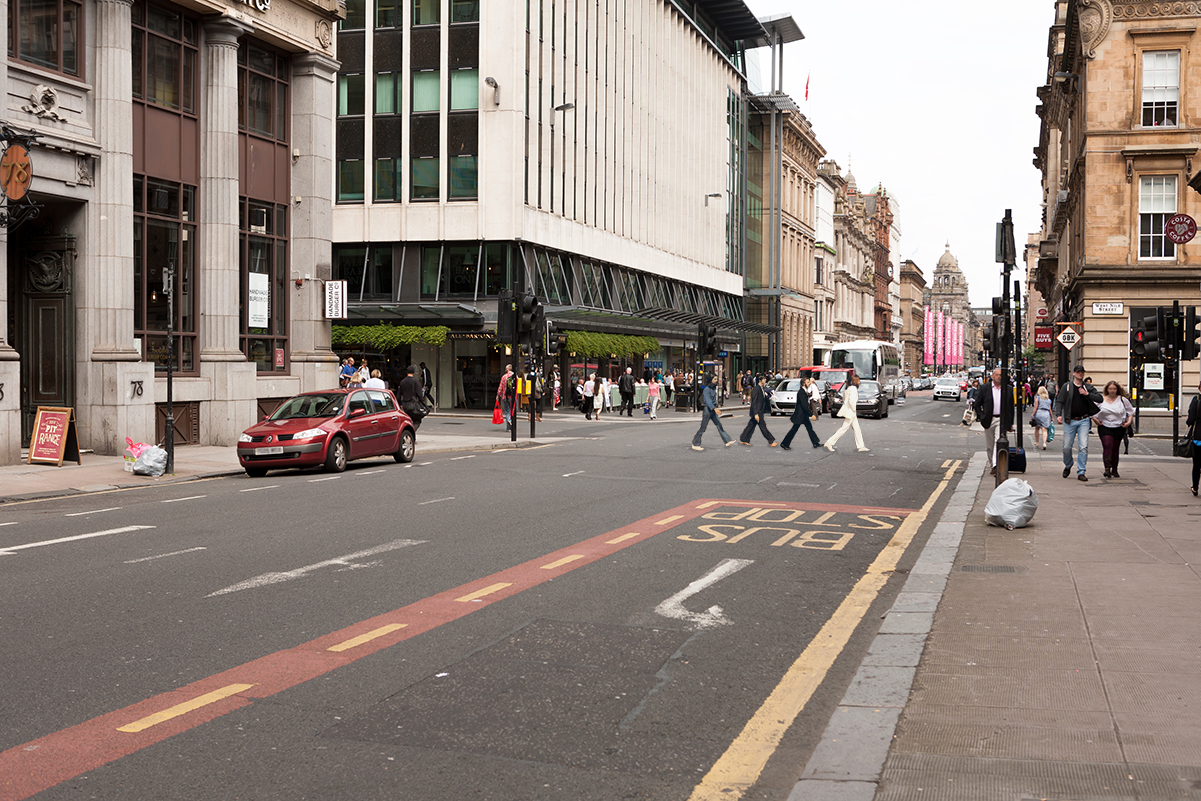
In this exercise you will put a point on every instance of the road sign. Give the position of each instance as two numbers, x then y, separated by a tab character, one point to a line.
1180	228
1069	338
1109	308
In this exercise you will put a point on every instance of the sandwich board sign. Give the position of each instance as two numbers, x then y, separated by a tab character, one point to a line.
54	436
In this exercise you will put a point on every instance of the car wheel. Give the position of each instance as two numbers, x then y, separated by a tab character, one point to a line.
335	456
408	446
256	472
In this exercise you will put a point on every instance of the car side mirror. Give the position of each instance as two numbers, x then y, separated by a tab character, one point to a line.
357	412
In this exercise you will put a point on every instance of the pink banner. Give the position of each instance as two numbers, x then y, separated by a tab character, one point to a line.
940	355
959	343
927	338
955	342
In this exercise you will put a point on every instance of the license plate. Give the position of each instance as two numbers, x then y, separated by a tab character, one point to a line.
276	451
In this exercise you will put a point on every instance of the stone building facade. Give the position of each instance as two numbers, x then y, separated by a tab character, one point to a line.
1117	148
854	279
189	139
948	292
879	212
912	288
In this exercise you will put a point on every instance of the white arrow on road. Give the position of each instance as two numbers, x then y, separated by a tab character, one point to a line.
300	572
674	606
9	550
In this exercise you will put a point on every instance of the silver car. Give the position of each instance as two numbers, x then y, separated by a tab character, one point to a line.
784	395
947	388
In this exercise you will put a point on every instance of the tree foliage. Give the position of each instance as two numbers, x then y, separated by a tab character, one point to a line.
386	337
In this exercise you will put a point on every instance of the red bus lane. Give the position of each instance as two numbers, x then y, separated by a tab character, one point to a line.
42	763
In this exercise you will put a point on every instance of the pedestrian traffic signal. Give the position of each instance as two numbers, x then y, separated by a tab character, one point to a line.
556	340
1138	336
1190	347
528	308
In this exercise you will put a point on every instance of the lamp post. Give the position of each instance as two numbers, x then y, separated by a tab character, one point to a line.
169	280
554	111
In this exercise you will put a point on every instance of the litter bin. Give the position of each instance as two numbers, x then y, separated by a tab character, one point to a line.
684	400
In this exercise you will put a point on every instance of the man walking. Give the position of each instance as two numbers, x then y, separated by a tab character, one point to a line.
1075	405
759	411
427	384
506	393
709	412
988	411
802	415
625	385
850	418
409	395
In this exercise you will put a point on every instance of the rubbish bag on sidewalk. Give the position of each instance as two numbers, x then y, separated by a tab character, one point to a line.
151	462
1011	505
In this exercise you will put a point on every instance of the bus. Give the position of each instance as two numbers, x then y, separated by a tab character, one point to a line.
871	359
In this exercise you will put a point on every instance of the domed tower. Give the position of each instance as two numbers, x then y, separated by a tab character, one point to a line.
949	292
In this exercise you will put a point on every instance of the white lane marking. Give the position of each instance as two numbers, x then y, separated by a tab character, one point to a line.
2	525
673	607
189	498
423	464
765	480
328	478
790	484
256	489
436	500
569	475
9	550
457	458
343	561
93	512
370	472
164	555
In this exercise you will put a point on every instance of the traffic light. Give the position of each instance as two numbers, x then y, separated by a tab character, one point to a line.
527	309
708	340
1190	347
506	317
1151	348
1138	338
993	344
555	339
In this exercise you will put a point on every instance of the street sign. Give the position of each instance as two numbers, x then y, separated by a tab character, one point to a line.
1109	308
1180	228
335	300
1040	312
1069	338
1152	376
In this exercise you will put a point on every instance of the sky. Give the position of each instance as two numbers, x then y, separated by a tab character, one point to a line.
935	99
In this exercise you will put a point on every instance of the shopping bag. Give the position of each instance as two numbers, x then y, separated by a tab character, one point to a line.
969	416
1051	431
497	417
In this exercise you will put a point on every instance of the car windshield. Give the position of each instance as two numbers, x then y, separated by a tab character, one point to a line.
319	405
948	383
866	387
789	385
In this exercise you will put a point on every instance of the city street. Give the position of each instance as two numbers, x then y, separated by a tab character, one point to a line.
597	618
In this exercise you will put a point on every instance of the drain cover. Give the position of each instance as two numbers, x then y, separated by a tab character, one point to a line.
991	569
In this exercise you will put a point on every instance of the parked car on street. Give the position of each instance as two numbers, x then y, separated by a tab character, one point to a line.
330	428
946	388
873	400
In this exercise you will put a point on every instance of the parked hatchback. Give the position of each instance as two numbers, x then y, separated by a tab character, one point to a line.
329	428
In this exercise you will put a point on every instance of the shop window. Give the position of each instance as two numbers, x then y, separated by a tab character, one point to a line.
1156	203
164	241
433	277
464	89
263	302
426	12
350	181
356	16
46	33
498	263
1161	88
426	90
424	178
462	269
351	96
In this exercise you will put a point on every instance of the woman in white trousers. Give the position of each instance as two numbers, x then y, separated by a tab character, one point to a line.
850	399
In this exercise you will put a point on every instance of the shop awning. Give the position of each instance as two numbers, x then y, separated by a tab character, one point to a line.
693	319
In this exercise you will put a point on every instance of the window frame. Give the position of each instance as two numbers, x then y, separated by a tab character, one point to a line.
14	28
1160	39
274	232
1144	106
1152	223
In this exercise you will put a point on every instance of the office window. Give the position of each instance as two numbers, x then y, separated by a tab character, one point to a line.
351	95
350	181
46	33
262	91
387	179
464	89
462	176
426	89
464	10
387	92
1156	203
426	12
1161	88
424	178
356	16
164	56
387	13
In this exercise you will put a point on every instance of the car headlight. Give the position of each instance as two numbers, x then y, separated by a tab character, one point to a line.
244	437
309	433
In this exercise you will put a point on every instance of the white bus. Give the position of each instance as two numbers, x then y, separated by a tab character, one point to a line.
871	359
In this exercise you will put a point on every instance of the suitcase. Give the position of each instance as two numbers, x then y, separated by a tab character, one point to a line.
1017	459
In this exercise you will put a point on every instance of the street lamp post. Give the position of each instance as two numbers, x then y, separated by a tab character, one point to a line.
554	111
169	278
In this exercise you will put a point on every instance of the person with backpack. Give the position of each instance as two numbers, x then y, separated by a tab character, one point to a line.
506	394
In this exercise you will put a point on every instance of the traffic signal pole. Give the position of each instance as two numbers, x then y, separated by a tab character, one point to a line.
1007	255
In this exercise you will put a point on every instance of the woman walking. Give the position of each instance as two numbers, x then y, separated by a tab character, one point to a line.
1194	430
850	419
586	402
1113	417
652	396
598	396
1041	418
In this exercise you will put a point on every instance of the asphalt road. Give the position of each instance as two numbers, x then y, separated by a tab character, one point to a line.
598	618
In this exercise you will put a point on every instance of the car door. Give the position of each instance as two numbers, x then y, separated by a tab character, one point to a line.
389	421
362	429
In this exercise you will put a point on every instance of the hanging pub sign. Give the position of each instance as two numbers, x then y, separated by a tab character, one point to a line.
16	176
54	436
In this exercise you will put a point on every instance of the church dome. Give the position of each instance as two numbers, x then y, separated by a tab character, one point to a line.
947	260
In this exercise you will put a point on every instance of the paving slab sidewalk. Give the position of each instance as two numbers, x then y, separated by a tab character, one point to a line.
1064	660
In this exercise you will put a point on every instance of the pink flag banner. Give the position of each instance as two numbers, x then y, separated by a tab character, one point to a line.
940	356
955	342
959	338
928	338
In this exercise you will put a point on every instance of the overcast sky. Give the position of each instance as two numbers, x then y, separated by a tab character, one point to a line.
934	99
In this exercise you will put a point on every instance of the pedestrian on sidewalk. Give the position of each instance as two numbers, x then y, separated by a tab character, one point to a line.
1194	430
506	393
760	408
1040	418
709	412
988	412
1113	418
652	396
625	386
669	383
586	390
803	415
1077	404
850	418
600	396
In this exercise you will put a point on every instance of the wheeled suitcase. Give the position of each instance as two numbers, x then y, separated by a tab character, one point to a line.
1017	459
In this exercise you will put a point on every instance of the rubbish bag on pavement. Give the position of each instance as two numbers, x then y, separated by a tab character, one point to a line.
151	462
1011	505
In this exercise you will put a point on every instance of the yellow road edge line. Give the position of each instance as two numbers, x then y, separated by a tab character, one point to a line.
368	637
624	537
565	560
483	592
707	505
947	463
667	520
184	708
739	767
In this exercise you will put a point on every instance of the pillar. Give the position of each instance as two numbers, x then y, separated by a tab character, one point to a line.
10	360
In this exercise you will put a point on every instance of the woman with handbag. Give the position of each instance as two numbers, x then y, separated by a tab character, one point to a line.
1114	415
1040	418
1194	433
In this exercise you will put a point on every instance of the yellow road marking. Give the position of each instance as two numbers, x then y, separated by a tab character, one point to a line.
565	560
368	637
667	520
624	537
184	708
946	464
739	767
483	592
740	503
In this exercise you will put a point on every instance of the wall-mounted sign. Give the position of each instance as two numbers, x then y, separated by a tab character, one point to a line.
54	436
1109	308
258	302
16	173
1180	228
1069	338
1152	376
335	300
1044	337
1041	312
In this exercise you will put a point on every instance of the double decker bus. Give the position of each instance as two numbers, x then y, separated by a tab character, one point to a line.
870	359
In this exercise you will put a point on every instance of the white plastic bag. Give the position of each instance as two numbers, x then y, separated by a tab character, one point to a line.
1011	505
151	462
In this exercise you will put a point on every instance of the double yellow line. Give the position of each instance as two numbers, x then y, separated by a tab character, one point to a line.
739	767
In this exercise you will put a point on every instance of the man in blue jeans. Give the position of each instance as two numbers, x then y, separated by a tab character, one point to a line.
709	412
1075	405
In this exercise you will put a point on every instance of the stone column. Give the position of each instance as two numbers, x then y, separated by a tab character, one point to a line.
312	87
10	360
232	378
107	357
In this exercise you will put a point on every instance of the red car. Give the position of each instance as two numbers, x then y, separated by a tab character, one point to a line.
328	428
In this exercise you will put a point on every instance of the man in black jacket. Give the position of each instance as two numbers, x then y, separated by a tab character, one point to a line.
759	411
801	416
625	385
1075	405
988	411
